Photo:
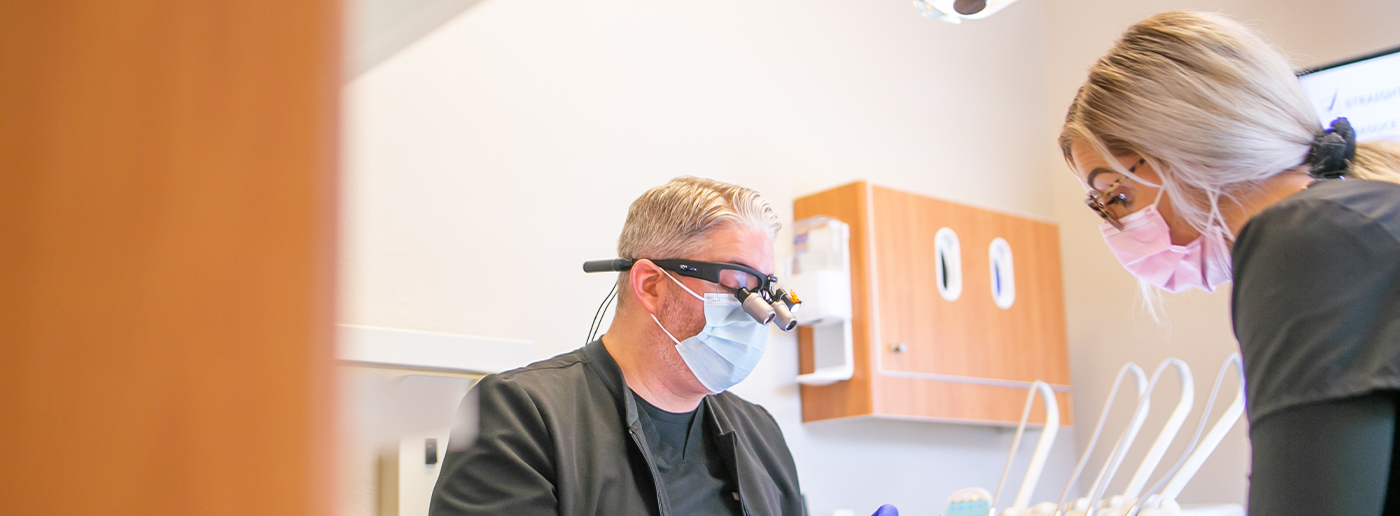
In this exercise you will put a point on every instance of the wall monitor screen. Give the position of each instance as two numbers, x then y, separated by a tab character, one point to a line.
1365	90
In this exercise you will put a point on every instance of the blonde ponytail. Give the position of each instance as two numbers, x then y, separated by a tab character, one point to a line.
1379	161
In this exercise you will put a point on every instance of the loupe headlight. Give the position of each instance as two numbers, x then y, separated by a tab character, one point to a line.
755	305
784	304
789	298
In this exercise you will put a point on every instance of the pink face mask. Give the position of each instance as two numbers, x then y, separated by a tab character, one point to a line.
1144	247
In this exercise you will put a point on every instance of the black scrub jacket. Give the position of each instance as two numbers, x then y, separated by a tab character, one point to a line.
562	437
1316	299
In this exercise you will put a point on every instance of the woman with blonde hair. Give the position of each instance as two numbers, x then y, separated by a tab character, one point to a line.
1208	165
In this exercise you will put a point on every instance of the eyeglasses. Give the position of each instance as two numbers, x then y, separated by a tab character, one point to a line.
754	290
728	275
1101	201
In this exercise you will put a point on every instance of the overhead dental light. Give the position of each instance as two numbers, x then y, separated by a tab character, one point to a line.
955	11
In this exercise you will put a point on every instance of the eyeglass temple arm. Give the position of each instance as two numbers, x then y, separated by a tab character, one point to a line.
613	265
622	264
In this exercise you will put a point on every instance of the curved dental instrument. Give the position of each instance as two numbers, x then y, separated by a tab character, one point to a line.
1042	447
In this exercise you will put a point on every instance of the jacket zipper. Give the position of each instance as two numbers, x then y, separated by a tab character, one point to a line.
730	448
651	468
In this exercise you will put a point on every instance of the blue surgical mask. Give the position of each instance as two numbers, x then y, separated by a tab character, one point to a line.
727	348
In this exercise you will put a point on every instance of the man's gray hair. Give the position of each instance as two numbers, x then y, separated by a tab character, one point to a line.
672	220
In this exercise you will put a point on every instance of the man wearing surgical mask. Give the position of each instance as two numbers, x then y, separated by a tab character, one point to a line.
640	420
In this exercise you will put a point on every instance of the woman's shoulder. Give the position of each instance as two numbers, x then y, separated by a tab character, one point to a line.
1377	199
1336	241
1333	213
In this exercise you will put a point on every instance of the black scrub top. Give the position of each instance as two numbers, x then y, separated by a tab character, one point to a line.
696	480
1316	299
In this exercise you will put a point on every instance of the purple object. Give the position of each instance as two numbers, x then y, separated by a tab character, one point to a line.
886	510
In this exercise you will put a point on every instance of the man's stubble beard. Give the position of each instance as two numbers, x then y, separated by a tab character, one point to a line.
683	322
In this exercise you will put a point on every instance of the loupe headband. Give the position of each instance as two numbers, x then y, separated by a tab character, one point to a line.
708	271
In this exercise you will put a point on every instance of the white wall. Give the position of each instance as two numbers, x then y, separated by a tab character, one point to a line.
1107	326
485	163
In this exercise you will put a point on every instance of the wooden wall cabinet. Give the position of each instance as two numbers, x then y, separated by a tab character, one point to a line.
920	356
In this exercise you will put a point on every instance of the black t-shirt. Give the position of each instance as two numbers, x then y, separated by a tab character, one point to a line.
1316	300
695	480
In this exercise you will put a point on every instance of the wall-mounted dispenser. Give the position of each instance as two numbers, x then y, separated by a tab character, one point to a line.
821	277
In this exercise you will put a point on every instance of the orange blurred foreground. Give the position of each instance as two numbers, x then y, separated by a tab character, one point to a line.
167	256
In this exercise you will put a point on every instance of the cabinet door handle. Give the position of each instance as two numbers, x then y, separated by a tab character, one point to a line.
899	348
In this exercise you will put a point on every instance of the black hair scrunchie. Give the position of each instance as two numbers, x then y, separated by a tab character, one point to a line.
1332	150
